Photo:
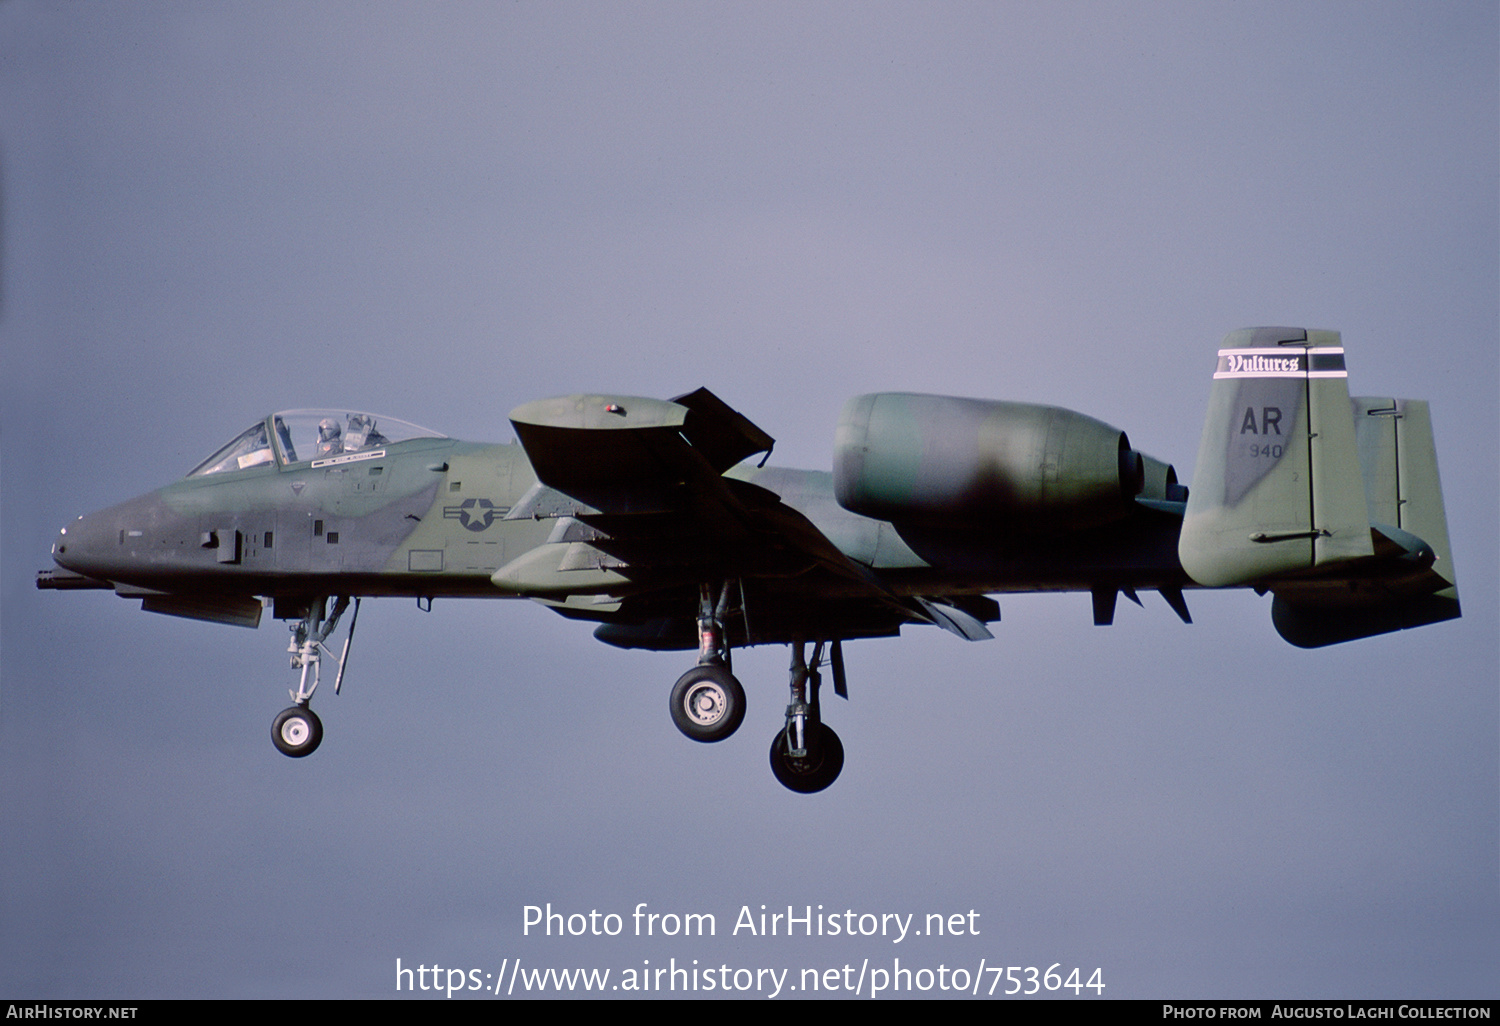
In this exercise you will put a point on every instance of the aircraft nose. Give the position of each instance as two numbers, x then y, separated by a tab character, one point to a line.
101	544
80	546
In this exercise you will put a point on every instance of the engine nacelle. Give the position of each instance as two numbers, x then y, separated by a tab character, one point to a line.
943	461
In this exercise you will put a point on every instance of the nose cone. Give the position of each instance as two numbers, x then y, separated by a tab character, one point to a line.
110	545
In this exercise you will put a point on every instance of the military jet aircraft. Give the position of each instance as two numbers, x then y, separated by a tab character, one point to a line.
648	518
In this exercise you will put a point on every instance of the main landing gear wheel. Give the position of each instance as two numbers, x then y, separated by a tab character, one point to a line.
707	703
297	731
814	771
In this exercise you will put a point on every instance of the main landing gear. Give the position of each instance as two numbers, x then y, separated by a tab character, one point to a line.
297	731
708	703
806	755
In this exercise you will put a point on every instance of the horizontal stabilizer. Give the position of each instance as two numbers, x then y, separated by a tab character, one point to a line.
1313	626
1399	463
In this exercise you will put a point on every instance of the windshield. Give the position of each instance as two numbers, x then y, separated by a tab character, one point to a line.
248	450
315	435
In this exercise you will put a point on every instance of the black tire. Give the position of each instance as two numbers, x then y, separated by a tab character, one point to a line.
296	731
816	770
707	703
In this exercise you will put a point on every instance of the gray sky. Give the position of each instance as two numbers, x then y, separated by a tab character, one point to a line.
441	212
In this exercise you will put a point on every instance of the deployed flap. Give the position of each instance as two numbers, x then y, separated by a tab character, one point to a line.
721	435
954	620
1277	488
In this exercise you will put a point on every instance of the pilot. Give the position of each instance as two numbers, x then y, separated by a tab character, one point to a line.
330	437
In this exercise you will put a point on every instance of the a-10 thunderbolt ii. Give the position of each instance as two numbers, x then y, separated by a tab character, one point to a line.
649	518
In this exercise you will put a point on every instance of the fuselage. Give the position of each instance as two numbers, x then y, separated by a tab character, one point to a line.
432	516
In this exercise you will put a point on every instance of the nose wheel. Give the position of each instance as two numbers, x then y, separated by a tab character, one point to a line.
296	731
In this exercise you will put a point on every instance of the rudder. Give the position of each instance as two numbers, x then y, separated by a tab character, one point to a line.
1414	583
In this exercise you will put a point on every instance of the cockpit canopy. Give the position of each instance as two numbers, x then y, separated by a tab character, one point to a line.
300	436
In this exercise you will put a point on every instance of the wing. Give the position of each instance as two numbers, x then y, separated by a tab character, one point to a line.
645	517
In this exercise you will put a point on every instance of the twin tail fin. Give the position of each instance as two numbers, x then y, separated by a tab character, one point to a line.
1331	503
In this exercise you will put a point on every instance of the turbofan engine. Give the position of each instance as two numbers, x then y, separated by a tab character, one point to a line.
942	461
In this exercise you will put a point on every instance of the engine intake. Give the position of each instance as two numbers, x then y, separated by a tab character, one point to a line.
944	461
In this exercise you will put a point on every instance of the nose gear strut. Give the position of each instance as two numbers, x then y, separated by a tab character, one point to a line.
297	731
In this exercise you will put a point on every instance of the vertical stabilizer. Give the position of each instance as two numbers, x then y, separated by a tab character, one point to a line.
1402	488
1411	582
1277	489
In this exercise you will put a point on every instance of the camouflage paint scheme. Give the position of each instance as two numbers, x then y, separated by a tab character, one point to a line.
633	512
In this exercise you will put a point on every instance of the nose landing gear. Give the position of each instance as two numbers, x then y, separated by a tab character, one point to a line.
296	732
